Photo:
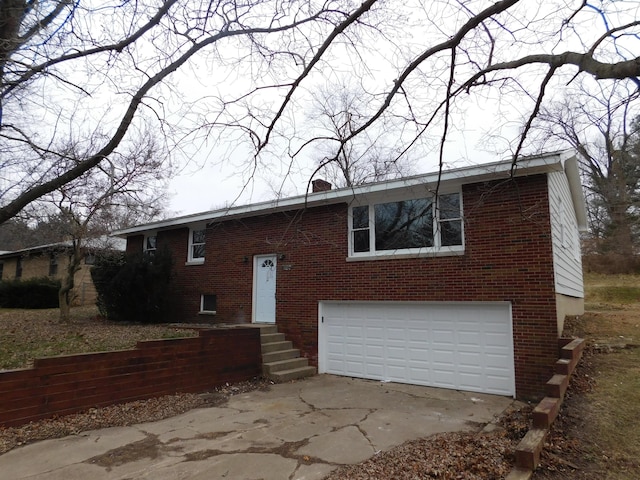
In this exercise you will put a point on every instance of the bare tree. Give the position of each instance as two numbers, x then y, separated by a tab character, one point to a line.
73	72
502	49
347	161
604	128
80	71
121	190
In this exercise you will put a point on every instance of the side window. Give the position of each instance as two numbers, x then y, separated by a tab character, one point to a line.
360	230
19	267
53	264
450	219
197	245
150	244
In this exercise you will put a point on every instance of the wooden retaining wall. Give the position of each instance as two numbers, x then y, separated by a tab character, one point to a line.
529	450
71	383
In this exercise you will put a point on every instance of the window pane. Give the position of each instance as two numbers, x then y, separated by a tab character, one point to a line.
151	243
198	236
451	232
406	224
449	206
361	217
197	251
208	303
361	241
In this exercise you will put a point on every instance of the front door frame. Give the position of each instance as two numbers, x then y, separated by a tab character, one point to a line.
257	261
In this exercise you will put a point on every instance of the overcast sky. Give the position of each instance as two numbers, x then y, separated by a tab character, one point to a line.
483	127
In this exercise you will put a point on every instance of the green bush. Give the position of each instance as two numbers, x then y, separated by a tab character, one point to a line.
31	293
135	288
104	270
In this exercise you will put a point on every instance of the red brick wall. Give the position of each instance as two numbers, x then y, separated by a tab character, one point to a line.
135	244
72	383
508	257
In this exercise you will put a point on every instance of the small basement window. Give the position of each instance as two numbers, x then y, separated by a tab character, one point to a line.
208	304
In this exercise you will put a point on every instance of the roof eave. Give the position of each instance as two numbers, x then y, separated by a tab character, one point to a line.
464	175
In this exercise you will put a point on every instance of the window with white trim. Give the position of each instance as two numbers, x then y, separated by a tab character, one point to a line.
410	226
208	304
150	244
196	245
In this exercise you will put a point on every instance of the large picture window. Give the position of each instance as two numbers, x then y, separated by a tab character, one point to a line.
407	226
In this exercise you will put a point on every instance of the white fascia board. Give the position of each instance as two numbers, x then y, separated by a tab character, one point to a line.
432	181
572	171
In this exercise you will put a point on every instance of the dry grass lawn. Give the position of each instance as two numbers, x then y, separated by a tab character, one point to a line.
599	430
29	334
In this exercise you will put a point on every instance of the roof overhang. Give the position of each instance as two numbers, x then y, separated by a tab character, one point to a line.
101	243
559	161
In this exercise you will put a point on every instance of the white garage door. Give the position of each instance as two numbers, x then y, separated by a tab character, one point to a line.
464	346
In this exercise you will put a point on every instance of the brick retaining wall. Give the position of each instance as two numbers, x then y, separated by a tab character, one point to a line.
71	383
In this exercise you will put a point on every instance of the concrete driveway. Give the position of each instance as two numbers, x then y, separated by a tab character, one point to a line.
299	430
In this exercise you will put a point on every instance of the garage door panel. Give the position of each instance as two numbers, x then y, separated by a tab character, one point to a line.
354	349
469	358
463	346
399	353
375	371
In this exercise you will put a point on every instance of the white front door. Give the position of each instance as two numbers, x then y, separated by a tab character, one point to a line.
264	288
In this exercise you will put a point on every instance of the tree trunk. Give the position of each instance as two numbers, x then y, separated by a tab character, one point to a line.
68	282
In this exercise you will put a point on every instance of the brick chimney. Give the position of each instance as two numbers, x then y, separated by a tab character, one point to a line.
320	186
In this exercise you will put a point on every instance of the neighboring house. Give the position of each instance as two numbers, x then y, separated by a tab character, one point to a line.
52	260
460	280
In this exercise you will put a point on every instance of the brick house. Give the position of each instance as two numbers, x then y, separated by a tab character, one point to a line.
460	280
52	260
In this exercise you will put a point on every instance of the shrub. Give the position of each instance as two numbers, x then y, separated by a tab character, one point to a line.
31	293
104	270
136	288
611	263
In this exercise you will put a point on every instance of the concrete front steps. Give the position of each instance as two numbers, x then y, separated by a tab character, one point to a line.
280	361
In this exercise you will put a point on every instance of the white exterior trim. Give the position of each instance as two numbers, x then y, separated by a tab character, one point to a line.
444	182
190	259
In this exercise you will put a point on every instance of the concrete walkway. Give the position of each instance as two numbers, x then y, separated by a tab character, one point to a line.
299	430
